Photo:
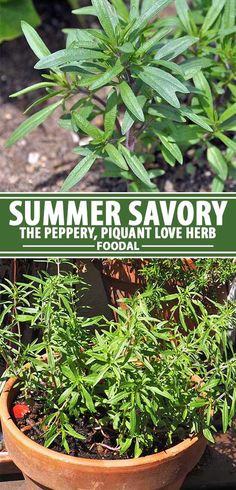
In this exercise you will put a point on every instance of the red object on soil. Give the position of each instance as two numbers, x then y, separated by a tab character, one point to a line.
19	410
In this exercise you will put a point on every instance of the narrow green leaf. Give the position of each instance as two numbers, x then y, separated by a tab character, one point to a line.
206	98
108	76
137	449
217	162
208	435
73	433
121	9
68	373
133	422
166	112
233	405
81	37
172	147
32	123
24	318
130	100
36	86
88	399
228	113
34	40
88	128
52	93
134	9
163	393
136	167
171	66
65	395
116	156
64	56
110	113
129	119
187	112
227	141
164	84
225	416
78	172
212	14
85	11
182	9
125	445
168	157
174	48
192	66
49	440
217	185
151	12
150	43
229	14
107	16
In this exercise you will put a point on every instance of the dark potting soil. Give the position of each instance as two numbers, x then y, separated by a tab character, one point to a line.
100	442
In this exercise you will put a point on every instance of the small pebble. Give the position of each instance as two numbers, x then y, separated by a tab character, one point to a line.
30	169
169	187
13	179
75	137
33	158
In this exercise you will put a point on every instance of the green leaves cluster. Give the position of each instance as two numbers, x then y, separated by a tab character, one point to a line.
135	377
156	86
214	73
208	275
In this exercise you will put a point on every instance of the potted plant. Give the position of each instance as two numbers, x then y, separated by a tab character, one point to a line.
127	403
142	91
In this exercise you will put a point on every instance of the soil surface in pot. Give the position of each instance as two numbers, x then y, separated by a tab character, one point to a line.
99	443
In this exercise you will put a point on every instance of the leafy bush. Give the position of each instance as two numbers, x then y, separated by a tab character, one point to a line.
178	287
140	377
161	86
206	274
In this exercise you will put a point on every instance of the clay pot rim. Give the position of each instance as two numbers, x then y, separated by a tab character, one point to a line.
4	457
113	464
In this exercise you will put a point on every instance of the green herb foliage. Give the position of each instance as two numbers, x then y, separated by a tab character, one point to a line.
142	376
206	274
160	87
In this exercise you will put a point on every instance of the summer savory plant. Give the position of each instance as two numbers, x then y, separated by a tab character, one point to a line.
116	389
156	85
214	23
206	274
178	287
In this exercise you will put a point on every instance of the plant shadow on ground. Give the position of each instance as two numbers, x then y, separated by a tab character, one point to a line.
217	468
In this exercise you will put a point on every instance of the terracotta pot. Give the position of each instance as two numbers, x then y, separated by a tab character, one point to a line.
45	469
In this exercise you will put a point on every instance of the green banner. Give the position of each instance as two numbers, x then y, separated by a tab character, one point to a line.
118	225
